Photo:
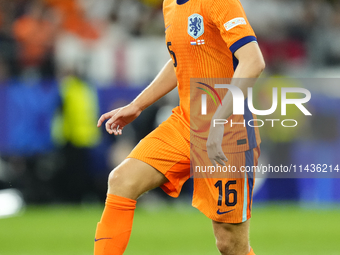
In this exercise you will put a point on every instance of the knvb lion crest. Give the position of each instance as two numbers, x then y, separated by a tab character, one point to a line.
195	26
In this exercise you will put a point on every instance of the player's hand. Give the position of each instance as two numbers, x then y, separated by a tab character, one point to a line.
119	118
214	145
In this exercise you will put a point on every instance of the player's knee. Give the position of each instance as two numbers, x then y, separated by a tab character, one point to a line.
225	247
122	184
113	178
232	246
228	244
232	239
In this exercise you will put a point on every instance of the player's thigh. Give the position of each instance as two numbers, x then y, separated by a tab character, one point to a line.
133	177
232	238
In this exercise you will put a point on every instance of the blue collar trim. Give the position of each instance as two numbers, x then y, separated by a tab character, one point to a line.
180	2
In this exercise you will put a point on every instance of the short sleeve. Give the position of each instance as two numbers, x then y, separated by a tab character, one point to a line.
229	17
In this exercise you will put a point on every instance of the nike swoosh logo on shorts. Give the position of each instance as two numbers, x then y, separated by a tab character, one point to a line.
220	213
101	239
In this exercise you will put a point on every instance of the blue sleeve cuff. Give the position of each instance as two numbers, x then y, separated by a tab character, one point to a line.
242	42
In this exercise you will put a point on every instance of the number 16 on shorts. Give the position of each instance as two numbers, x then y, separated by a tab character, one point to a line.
229	194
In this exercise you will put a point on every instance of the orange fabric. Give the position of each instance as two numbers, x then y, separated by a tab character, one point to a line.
73	18
206	188
168	150
251	252
213	59
35	38
114	229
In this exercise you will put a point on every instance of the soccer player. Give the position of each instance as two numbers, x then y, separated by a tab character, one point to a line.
205	39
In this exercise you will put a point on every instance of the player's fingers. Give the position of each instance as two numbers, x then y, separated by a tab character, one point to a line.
106	116
108	127
103	118
111	128
114	118
114	129
212	162
118	126
222	156
220	161
117	130
120	130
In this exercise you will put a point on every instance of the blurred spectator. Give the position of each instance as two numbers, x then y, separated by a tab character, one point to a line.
75	129
333	55
74	19
35	32
79	112
96	37
9	10
323	24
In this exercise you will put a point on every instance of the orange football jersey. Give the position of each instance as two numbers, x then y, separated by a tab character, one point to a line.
202	37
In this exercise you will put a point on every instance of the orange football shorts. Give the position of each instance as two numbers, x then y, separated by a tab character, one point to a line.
222	197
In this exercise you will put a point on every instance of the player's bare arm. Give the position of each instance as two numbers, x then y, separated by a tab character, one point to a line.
118	118
251	64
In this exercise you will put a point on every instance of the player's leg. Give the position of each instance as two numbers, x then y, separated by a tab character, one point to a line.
134	177
126	183
226	198
164	149
232	239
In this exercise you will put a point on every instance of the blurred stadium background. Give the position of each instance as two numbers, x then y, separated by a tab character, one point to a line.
65	62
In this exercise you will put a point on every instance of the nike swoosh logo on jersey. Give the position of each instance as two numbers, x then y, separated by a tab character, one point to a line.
96	240
220	213
167	27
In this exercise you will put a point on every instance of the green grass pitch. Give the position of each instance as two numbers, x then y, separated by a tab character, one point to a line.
69	230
